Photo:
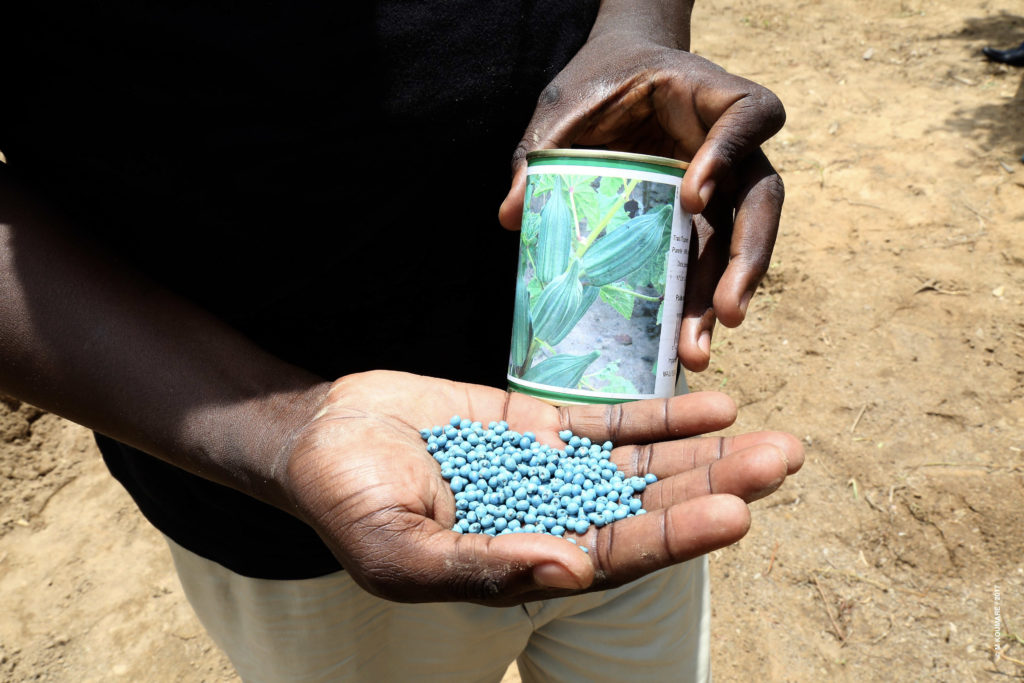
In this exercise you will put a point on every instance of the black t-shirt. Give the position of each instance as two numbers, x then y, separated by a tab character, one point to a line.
323	176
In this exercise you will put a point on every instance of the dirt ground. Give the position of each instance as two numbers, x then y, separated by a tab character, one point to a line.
889	336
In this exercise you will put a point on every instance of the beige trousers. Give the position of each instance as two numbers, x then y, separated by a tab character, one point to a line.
329	629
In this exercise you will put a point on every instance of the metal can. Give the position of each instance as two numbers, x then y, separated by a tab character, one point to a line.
603	250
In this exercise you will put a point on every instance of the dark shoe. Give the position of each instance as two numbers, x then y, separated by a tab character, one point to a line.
1013	57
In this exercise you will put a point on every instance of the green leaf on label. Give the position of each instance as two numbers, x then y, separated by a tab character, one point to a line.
528	228
534	287
577	182
563	370
541	183
610	381
619	300
608	194
586	202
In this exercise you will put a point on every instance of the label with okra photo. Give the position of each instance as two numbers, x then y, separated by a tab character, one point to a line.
602	273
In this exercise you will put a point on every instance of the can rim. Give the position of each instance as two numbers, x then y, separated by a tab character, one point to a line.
606	154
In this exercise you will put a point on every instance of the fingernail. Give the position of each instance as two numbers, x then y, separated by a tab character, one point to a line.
554	575
706	190
704	342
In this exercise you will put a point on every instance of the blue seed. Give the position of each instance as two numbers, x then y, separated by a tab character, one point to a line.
507	482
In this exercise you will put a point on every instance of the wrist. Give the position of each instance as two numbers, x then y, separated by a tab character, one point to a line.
658	22
277	422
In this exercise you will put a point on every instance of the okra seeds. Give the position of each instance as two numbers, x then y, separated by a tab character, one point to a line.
507	482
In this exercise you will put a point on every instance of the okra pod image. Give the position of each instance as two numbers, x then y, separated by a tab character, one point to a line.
554	242
613	257
522	326
559	307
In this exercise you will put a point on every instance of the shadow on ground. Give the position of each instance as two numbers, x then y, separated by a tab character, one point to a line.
1000	122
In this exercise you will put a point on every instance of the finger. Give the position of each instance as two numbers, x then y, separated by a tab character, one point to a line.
635	546
749	474
409	558
650	420
712	229
510	213
759	207
669	458
743	115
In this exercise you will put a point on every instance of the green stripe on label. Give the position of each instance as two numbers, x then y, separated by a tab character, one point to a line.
610	163
560	398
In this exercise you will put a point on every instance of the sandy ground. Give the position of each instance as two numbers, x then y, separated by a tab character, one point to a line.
889	336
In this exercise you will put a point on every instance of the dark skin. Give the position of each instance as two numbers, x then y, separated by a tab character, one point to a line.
86	338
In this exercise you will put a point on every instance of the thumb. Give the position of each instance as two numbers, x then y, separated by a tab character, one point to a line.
442	565
555	123
510	213
483	568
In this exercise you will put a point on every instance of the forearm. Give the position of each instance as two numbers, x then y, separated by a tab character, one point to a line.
663	22
85	338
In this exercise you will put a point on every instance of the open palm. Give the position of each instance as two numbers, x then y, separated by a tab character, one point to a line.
360	474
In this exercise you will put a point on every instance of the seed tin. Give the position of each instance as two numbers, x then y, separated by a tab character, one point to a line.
602	272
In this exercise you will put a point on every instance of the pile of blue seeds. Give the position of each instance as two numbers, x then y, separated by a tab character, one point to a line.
506	482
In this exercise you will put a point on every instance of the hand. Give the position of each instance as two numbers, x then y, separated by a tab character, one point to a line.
624	94
360	474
